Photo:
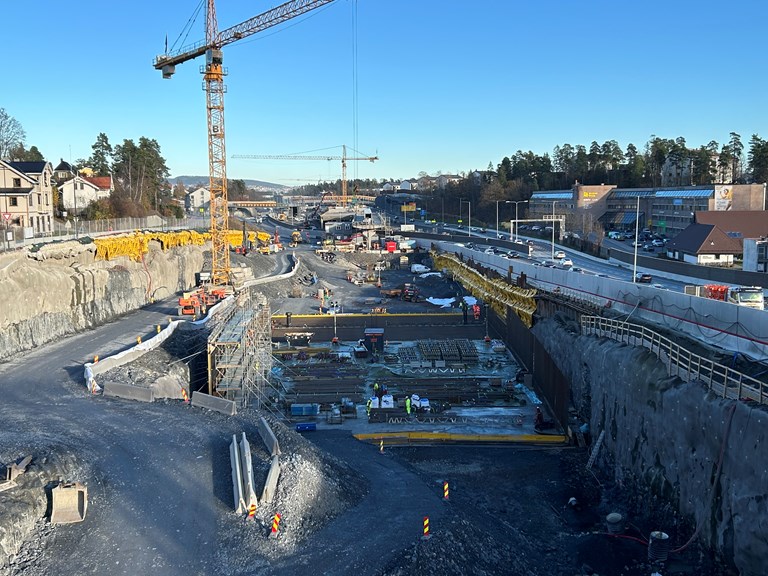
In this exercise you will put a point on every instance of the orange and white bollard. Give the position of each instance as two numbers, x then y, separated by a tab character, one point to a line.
275	526
95	359
381	446
252	512
445	490
426	535
138	339
185	396
158	328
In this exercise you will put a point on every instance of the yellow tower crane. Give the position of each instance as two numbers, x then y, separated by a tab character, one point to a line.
343	159
213	73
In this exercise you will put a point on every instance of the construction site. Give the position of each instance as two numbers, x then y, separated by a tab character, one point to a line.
243	401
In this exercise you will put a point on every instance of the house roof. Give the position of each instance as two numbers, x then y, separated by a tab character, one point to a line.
29	167
64	167
737	223
704	239
102	182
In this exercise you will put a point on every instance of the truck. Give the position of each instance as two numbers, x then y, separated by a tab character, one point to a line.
749	296
295	238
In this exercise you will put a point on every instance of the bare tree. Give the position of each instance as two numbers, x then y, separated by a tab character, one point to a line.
11	134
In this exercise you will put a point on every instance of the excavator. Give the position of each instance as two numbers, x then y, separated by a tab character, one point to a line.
295	239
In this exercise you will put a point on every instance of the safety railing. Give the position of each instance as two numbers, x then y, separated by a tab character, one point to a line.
688	366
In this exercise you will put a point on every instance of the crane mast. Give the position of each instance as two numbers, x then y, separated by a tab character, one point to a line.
343	159
213	75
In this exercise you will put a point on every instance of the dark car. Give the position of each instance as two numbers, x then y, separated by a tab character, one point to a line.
643	278
648	248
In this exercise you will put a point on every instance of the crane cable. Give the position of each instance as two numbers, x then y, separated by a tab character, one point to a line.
187	28
354	86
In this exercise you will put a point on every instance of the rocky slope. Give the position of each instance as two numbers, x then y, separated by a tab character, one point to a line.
62	289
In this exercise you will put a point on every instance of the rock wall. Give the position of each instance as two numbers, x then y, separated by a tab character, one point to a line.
704	455
62	289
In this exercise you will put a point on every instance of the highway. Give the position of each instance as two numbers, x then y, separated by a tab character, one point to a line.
582	264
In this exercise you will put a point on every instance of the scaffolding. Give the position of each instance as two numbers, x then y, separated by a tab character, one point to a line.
240	350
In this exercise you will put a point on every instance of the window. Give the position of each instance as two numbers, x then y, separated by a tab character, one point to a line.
46	199
17	182
14	201
81	185
39	199
29	200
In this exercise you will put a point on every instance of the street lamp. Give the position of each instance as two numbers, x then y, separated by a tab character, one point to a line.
469	227
497	214
516	202
637	239
553	228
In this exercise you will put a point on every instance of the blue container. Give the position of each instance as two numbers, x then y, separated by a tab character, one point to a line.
306	427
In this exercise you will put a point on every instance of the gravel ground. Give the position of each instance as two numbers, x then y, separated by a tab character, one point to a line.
160	496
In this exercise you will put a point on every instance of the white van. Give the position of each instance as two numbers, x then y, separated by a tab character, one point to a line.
419	269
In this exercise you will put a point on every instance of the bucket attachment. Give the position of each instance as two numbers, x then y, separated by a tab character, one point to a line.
70	502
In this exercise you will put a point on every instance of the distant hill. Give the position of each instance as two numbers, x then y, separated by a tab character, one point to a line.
203	181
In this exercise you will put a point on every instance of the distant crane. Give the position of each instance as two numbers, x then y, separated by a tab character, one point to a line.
343	159
213	73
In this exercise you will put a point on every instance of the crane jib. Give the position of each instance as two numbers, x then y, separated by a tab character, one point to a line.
249	27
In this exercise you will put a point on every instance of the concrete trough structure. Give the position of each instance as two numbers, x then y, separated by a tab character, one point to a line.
270	441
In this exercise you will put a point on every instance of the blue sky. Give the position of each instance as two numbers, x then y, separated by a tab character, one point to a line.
441	85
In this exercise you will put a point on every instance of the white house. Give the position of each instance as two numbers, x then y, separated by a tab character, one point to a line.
197	199
26	196
80	191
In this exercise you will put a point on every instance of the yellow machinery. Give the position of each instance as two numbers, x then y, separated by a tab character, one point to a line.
343	159
295	239
213	73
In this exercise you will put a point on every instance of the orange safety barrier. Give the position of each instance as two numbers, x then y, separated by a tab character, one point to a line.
251	510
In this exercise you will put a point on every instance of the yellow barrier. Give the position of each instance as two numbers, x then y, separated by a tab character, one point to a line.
408	437
497	292
135	245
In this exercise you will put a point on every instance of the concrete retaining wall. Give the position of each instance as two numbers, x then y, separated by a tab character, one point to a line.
201	400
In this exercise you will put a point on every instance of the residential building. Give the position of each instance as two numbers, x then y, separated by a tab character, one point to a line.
26	197
78	192
198	200
704	244
63	172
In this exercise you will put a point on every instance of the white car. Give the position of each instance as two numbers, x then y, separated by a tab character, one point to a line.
566	263
560	255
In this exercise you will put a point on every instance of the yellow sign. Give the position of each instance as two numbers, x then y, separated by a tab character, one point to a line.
408	207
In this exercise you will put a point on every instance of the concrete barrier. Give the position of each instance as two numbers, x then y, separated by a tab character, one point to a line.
268	437
246	469
128	392
270	486
202	400
242	475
